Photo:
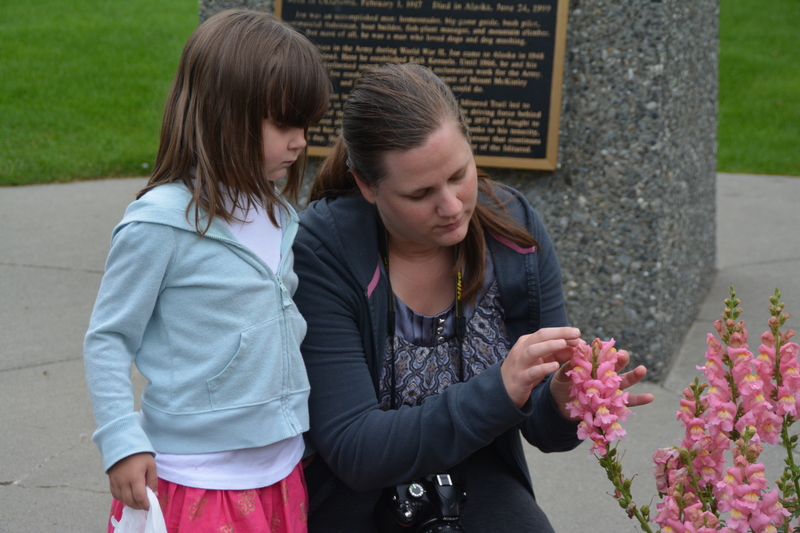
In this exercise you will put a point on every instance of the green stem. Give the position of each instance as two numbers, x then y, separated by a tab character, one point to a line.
614	472
787	443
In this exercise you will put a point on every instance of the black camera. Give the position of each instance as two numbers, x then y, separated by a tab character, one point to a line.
431	504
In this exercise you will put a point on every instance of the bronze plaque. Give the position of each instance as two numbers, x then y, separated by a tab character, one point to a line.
503	60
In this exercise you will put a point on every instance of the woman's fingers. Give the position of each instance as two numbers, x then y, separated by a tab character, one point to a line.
546	345
635	400
534	357
569	334
538	372
632	378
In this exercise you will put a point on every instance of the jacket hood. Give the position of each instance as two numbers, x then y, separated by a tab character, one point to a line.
348	227
166	205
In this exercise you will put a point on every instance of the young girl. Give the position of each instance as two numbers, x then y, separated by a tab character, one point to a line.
198	292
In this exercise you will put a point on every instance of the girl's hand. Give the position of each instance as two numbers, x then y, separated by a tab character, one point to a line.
535	356
130	477
561	383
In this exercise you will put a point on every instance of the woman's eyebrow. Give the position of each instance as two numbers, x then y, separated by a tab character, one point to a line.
457	174
416	191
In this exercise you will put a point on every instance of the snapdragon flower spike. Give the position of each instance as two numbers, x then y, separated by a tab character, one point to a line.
599	401
715	369
790	366
736	402
748	400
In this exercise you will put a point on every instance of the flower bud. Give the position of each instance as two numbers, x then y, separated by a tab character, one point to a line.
753	452
735	340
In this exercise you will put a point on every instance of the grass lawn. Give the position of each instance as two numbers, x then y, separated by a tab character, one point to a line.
759	95
82	85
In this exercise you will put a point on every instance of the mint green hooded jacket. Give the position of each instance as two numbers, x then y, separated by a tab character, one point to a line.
209	325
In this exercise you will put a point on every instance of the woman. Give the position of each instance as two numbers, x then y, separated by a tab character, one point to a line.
437	331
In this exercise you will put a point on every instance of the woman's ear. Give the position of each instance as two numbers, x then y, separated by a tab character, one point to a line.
364	187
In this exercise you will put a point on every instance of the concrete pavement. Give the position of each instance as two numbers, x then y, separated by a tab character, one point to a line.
53	244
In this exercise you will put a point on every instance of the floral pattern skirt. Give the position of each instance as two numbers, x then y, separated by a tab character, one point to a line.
279	508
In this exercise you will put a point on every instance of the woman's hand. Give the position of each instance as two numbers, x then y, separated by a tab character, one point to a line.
535	356
130	477
561	383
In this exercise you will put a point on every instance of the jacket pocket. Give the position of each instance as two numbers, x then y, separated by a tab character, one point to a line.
255	374
296	326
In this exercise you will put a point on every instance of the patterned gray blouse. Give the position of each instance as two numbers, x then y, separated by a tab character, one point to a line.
425	349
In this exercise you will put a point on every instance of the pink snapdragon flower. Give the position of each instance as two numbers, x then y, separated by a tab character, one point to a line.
688	408
738	521
787	405
756	476
695	431
748	497
750	384
599	401
668	513
715	369
769	429
789	366
709	461
665	459
725	490
721	417
773	508
698	521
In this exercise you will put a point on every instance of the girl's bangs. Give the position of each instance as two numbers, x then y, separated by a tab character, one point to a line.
300	93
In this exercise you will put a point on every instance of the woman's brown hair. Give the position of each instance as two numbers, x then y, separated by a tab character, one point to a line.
396	108
237	69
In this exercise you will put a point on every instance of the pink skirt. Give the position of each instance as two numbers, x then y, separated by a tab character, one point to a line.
279	508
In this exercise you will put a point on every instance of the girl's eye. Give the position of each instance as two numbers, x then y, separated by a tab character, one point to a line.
418	196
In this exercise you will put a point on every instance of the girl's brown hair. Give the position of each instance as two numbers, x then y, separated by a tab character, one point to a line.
237	69
397	108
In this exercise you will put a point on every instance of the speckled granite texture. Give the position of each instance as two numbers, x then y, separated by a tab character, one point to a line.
632	207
